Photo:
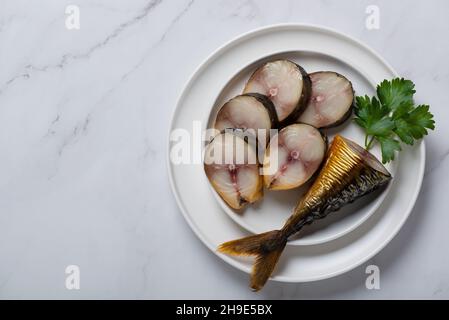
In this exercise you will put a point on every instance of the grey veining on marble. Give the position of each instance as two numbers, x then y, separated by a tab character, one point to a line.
84	117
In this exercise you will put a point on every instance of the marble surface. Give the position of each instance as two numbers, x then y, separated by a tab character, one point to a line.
84	117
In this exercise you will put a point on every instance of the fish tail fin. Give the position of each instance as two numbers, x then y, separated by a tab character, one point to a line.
266	247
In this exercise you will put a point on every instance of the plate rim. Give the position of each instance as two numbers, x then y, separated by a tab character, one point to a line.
203	64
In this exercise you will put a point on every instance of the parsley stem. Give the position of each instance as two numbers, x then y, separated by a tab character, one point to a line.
369	145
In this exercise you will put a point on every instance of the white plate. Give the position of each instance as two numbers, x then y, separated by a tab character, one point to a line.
191	188
276	206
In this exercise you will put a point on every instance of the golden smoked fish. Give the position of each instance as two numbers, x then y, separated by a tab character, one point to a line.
349	172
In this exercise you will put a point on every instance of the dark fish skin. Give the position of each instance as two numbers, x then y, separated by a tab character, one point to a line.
268	105
305	96
349	173
347	114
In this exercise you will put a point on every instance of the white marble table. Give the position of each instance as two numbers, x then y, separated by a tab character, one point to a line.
83	128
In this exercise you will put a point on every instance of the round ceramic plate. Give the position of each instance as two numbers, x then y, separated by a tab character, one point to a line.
276	206
363	234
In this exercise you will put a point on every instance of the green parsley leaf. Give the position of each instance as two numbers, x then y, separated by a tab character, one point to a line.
395	92
402	110
388	146
392	114
372	116
413	125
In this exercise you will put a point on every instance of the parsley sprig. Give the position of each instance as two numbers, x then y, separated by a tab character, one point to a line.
392	115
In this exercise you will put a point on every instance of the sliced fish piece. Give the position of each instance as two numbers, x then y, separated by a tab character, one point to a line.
331	101
232	168
252	112
286	84
293	156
